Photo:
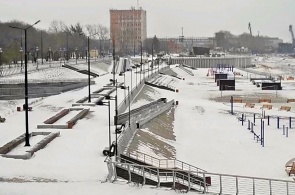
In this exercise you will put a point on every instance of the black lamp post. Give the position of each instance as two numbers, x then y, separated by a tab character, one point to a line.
60	50
114	62
109	109
136	75
42	47
27	136
88	50
76	54
1	60
131	76
65	55
21	59
67	47
116	113
49	57
95	54
124	87
152	65
89	96
37	51
140	59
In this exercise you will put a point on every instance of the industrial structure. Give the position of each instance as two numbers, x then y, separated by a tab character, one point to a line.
128	29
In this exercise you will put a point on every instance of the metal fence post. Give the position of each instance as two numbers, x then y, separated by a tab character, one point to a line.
270	190
173	185
237	186
287	183
189	180
220	181
129	173
205	184
253	187
158	176
143	175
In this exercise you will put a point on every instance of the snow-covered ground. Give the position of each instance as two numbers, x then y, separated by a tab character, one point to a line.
207	136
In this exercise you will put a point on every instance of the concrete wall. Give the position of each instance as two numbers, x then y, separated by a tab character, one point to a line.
17	91
128	133
134	92
207	62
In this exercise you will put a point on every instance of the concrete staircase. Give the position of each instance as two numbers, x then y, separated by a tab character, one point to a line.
168	173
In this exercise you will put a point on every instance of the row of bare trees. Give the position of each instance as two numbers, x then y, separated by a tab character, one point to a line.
58	38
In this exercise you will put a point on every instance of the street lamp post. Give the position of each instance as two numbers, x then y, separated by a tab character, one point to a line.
65	55
124	87
1	61
88	49
60	50
42	47
140	59
76	54
116	113
136	75
109	109
114	61
27	136
89	96
152	65
67	47
21	59
37	50
49	58
131	76
95	54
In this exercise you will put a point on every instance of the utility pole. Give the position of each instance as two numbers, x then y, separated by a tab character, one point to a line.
42	47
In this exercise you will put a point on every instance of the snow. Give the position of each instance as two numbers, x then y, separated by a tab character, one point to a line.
207	136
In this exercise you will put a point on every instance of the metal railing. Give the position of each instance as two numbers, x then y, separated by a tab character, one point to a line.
215	183
163	163
159	176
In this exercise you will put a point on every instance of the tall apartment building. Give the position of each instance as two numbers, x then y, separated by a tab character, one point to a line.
128	29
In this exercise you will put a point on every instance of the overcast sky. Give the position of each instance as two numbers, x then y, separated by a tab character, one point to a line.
165	18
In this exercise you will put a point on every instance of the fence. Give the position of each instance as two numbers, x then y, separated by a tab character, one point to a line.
215	183
211	62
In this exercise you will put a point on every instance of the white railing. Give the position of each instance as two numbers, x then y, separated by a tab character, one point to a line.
215	183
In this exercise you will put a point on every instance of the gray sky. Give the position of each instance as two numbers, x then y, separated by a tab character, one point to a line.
164	17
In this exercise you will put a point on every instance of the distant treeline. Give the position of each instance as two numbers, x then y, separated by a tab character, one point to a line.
55	40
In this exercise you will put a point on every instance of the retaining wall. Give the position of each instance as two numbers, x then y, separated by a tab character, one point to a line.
211	62
17	91
134	92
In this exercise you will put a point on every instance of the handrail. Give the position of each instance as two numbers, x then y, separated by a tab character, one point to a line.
164	175
218	183
133	111
184	166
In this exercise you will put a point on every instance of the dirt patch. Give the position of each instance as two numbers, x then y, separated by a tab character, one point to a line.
26	180
252	98
199	109
50	108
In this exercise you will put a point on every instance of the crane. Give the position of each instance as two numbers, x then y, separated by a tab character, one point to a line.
292	35
249	27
